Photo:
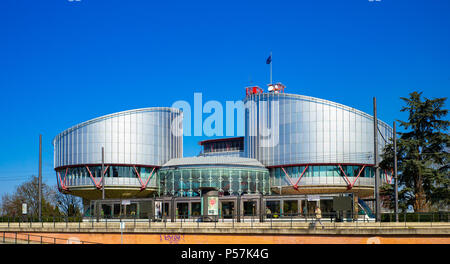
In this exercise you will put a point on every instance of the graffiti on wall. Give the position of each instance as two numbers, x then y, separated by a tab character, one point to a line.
171	238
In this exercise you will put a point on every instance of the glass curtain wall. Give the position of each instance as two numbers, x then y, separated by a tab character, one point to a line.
278	176
295	129
79	176
141	136
228	181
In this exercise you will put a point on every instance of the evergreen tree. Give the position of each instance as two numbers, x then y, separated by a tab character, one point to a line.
422	153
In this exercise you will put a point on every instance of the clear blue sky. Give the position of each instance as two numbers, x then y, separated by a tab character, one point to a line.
62	62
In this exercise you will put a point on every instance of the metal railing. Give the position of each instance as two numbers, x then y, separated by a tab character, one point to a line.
274	220
26	238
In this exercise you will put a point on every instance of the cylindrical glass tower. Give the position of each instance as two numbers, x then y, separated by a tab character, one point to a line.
315	144
136	143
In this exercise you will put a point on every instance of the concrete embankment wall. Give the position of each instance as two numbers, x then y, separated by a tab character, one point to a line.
238	233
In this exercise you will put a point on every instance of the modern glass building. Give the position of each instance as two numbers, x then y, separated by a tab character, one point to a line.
229	175
298	152
232	147
311	145
135	144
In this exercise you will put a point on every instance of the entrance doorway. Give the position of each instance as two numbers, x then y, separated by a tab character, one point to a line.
250	208
228	209
273	209
196	209
182	210
166	210
311	207
131	210
117	213
106	211
290	208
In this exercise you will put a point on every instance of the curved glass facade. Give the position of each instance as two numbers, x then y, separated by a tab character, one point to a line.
231	180
290	141
322	175
135	143
89	176
288	129
140	137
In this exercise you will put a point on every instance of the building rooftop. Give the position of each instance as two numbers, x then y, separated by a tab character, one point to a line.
127	112
213	160
221	140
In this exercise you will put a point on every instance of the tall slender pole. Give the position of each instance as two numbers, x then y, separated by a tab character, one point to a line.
395	174
40	178
122	224
377	171
103	178
271	67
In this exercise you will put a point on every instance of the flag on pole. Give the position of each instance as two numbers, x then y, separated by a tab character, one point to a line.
269	60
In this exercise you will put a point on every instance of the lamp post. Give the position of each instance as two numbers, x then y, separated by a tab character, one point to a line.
40	178
377	169
395	174
102	175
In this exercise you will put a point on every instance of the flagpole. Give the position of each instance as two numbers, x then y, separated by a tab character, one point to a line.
271	67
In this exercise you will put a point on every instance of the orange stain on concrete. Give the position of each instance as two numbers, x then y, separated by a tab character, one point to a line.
139	238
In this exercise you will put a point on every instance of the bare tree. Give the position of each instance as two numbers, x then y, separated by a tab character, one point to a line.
68	205
28	192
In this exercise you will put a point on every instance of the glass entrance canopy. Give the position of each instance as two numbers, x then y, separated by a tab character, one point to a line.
228	175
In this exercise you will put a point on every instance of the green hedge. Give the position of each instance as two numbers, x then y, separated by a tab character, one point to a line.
417	217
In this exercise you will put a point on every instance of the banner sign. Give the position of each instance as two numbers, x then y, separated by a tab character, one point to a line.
24	208
213	206
313	198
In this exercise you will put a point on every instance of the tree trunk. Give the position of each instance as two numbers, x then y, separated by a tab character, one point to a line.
420	202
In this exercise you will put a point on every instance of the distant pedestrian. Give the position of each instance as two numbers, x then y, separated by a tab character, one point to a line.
158	210
268	212
318	213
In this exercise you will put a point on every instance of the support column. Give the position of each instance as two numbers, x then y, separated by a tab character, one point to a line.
172	209
262	208
281	207
189	209
238	208
355	206
181	184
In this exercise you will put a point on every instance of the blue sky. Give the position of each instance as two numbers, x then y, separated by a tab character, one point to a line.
62	62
